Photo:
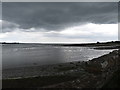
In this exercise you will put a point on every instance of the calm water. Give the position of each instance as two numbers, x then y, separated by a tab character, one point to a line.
19	55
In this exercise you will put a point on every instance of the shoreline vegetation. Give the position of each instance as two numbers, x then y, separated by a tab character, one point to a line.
101	72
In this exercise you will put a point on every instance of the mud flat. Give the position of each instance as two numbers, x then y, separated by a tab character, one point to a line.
94	73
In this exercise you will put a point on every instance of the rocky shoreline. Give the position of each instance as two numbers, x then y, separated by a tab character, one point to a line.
98	72
90	74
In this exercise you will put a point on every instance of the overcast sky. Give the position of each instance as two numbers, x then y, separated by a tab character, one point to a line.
78	22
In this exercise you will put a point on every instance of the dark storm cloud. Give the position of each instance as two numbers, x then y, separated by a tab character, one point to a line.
119	12
0	10
54	16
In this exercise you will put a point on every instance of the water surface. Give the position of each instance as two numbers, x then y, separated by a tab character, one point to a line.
21	55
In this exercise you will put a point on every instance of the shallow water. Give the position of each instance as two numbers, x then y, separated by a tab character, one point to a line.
20	55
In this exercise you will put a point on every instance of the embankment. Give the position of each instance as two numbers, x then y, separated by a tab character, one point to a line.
99	72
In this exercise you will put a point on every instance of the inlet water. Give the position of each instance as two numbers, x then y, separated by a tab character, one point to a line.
22	55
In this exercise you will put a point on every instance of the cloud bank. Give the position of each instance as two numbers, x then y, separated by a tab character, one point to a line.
57	16
59	22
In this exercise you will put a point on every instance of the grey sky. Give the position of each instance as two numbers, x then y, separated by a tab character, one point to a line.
72	22
56	16
60	0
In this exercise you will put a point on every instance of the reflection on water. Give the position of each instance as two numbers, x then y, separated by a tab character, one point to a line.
19	55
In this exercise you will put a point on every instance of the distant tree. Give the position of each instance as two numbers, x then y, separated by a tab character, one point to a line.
98	42
4	42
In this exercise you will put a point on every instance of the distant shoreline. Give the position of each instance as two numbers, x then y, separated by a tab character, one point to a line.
98	45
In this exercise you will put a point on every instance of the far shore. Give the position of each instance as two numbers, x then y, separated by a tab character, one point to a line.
110	43
98	45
